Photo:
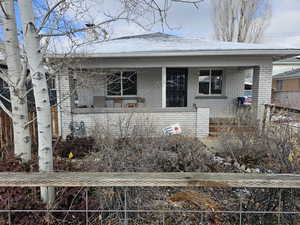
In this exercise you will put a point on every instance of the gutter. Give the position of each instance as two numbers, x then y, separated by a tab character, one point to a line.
254	52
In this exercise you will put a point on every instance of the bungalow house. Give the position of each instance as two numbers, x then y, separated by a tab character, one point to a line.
159	80
286	88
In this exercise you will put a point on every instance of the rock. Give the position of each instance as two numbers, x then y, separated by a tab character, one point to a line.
236	164
248	170
242	167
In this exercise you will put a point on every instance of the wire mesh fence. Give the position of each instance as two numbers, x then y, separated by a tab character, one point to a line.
143	205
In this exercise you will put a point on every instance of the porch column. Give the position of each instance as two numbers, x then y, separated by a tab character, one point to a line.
65	101
164	87
261	88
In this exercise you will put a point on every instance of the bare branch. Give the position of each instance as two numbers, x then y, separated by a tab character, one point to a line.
6	99
80	30
3	10
46	17
6	110
4	76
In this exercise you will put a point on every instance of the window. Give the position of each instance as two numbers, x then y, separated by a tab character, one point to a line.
210	82
122	84
279	85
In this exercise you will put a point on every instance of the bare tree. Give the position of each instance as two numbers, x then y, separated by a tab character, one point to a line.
241	20
43	22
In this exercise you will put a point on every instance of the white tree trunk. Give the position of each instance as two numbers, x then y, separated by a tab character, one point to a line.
22	139
41	95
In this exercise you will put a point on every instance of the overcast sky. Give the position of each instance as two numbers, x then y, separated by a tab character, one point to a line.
189	21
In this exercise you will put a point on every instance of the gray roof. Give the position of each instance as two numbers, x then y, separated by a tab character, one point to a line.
159	44
291	60
289	74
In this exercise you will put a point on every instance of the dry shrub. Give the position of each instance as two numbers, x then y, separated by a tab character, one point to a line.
142	151
274	148
78	146
140	154
197	199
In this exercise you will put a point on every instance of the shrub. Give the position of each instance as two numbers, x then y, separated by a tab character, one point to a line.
78	146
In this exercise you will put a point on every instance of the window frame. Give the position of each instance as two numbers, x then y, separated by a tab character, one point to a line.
210	82
121	84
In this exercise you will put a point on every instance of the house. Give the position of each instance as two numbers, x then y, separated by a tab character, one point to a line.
160	80
286	88
285	65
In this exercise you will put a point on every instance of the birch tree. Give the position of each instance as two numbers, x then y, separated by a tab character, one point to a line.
241	20
15	76
52	19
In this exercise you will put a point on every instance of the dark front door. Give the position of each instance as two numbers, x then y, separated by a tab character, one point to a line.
177	87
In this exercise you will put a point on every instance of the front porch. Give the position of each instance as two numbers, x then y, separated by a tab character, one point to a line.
110	90
185	91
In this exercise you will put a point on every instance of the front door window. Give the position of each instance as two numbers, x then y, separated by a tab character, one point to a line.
177	87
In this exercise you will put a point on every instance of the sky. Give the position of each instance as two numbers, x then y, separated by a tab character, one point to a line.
186	20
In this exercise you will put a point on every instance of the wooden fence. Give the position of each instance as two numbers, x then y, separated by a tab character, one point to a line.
127	179
6	127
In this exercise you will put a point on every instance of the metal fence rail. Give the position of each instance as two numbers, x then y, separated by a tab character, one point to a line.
283	187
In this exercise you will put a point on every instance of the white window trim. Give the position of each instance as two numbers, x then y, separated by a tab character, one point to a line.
209	91
121	78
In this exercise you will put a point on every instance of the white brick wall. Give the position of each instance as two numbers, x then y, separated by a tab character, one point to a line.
262	88
193	123
202	122
64	102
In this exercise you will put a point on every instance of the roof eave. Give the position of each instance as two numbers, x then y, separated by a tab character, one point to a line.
286	63
270	52
285	77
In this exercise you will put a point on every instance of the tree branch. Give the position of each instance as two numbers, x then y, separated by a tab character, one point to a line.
3	76
80	30
6	99
3	107
45	19
3	10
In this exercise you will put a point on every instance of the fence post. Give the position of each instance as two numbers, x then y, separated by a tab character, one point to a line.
86	207
125	208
